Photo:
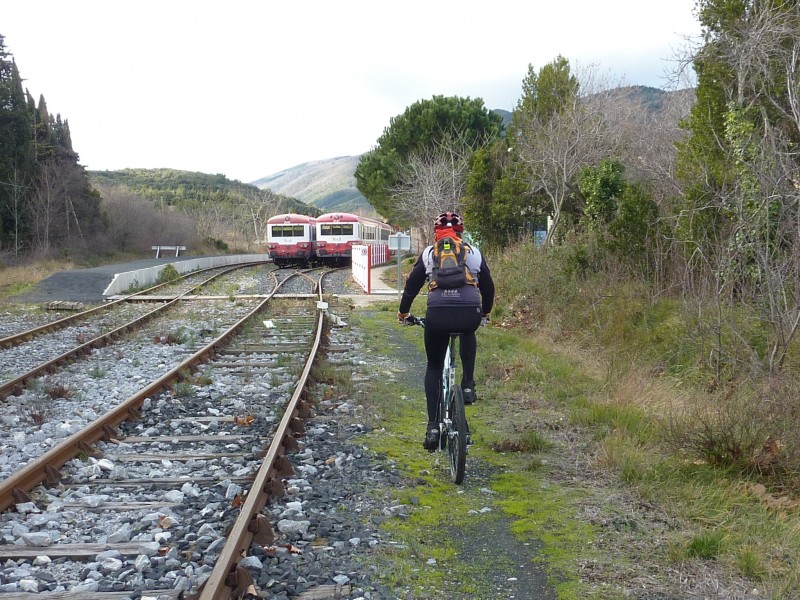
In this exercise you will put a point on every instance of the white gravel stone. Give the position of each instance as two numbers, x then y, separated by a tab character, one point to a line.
289	527
38	539
141	563
174	496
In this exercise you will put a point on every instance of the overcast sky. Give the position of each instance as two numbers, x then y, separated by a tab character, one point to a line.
248	88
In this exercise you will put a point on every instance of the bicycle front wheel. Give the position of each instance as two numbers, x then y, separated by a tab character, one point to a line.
457	442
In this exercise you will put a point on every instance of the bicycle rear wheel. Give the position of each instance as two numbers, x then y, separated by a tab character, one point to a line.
457	442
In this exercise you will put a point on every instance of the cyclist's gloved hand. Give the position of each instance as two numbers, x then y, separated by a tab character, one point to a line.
484	319
404	318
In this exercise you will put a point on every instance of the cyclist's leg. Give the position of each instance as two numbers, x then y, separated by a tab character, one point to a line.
468	351
436	341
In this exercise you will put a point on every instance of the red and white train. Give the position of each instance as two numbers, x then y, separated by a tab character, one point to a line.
337	233
294	239
290	239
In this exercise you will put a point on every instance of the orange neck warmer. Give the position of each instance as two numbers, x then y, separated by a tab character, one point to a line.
443	233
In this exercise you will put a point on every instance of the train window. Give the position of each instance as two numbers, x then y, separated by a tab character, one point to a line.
287	231
336	229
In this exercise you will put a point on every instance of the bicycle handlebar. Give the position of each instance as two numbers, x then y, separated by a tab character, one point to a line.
412	320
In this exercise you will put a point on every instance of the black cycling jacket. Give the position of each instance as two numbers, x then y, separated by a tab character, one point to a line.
421	271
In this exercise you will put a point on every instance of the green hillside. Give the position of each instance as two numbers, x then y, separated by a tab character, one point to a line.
179	188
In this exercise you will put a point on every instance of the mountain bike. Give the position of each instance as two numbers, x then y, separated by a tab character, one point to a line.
453	427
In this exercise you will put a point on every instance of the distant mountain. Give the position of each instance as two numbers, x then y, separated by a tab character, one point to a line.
505	114
651	98
329	185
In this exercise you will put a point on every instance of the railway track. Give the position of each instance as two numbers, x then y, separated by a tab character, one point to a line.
181	453
184	284
43	349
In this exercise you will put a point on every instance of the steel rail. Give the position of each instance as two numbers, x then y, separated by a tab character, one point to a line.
44	469
16	385
229	579
24	336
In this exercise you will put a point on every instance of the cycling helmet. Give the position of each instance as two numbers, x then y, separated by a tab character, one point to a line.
449	219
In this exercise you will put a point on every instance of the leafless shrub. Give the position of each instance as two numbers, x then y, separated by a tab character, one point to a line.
136	223
167	339
748	427
58	390
40	412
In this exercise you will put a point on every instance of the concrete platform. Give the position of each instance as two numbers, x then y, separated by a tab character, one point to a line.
381	291
86	285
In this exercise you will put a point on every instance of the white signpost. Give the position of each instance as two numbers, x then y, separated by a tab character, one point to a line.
362	268
399	242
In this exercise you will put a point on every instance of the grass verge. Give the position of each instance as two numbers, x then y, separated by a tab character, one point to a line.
21	278
438	552
575	459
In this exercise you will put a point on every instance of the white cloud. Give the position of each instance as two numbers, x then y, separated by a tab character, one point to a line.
248	88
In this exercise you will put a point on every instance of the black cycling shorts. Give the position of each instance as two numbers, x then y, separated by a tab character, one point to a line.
452	319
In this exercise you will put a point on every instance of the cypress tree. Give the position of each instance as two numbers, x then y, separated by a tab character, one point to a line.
16	149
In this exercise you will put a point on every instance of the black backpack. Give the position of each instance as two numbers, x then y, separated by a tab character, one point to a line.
450	264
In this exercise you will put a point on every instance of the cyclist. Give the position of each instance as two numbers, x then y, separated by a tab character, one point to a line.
459	310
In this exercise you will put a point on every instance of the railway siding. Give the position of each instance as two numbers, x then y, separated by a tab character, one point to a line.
148	510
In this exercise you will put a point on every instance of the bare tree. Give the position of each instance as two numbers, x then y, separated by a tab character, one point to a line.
217	218
47	204
137	223
557	146
434	181
650	151
18	206
764	241
59	201
257	208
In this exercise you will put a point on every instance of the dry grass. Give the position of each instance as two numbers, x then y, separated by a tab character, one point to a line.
16	277
659	397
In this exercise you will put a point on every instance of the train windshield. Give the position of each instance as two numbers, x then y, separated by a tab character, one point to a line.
287	231
336	229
